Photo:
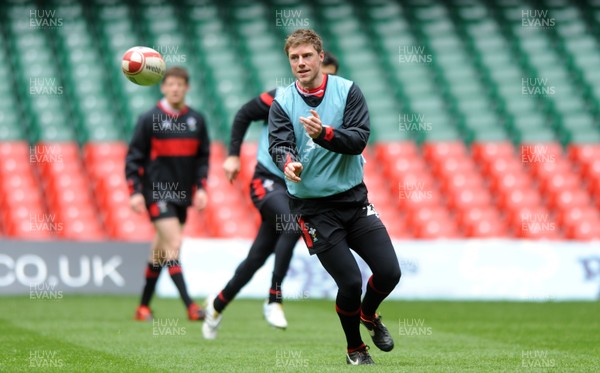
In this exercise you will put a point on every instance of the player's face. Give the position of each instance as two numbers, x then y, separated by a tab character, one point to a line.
306	64
174	89
328	69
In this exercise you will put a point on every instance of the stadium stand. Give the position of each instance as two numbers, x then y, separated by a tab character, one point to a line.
481	126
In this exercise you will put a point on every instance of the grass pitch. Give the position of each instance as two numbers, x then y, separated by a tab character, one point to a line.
97	334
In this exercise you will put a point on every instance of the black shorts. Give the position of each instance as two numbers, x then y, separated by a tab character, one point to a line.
163	209
265	185
323	231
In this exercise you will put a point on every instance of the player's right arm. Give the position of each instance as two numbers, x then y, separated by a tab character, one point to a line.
135	161
256	109
282	143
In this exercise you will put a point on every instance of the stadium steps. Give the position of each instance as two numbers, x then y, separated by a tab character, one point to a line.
22	208
226	82
228	212
96	118
344	33
105	166
67	190
40	84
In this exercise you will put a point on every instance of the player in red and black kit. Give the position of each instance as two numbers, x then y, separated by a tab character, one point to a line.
166	169
276	234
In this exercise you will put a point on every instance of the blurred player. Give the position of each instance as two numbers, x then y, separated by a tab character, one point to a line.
318	129
166	169
269	196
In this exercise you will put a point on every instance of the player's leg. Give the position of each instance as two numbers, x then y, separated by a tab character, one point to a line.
288	233
277	211
143	312
339	262
269	202
260	250
170	231
257	255
369	238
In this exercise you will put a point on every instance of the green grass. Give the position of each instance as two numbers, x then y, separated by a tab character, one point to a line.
86	333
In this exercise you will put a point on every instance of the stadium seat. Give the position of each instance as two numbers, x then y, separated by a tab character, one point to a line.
486	151
435	151
100	151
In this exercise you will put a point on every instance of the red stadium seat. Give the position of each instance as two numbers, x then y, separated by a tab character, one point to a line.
499	166
569	198
107	167
487	151
95	152
469	198
584	230
486	228
124	224
577	214
545	152
533	222
449	166
519	198
437	229
468	216
559	181
417	196
420	215
24	229
14	165
14	149
593	187
542	170
196	225
583	153
50	169
455	182
434	151
591	170
510	180
248	163
217	151
386	152
81	229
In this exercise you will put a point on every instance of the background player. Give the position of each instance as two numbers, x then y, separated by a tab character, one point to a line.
269	196
167	164
318	129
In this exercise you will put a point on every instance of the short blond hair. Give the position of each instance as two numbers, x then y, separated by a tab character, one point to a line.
303	36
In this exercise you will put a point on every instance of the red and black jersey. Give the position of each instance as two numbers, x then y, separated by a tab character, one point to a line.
168	155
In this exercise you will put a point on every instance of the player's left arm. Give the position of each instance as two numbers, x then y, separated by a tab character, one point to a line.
203	155
200	198
352	136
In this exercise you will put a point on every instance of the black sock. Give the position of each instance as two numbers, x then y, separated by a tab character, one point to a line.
177	277
349	313
373	298
152	273
220	302
275	295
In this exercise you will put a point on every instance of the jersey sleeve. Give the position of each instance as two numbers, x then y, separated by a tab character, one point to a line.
256	109
137	154
352	136
203	155
282	141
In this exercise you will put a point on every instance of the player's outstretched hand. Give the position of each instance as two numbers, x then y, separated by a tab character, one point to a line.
312	124
292	171
200	199
231	166
137	202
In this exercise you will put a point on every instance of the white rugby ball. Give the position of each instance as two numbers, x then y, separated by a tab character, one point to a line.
143	66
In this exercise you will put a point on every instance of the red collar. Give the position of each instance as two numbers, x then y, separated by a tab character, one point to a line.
319	91
171	113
